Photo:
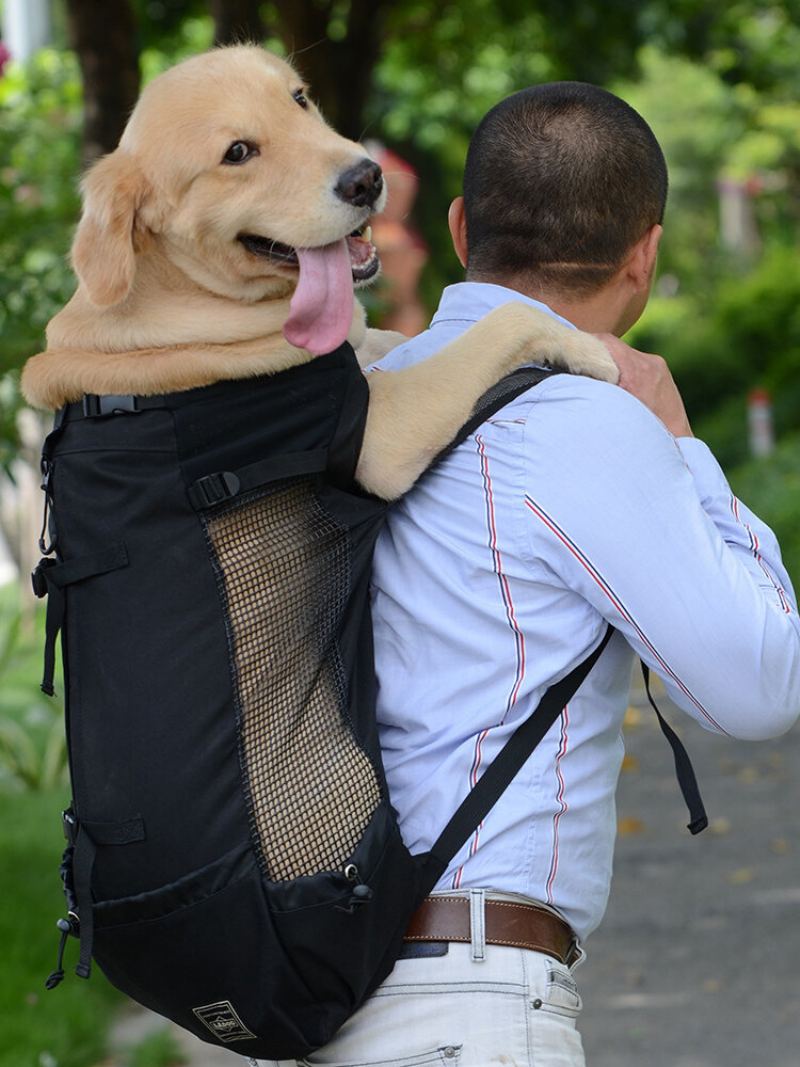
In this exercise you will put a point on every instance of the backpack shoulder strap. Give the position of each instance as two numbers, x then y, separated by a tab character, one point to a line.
504	767
687	780
496	397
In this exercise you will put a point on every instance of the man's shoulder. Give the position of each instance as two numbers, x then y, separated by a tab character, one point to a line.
572	415
576	396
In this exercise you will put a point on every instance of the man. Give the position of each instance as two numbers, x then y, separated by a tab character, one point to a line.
576	505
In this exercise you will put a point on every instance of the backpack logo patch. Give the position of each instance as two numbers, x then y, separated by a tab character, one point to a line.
223	1022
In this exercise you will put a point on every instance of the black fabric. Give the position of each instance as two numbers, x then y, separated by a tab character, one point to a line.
110	558
152	711
82	868
189	527
51	578
124	832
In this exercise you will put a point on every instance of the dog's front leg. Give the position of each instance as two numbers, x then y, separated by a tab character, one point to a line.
414	413
376	344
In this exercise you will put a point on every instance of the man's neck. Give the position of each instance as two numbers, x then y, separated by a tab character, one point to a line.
600	312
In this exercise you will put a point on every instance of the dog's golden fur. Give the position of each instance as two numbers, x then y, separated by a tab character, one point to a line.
169	298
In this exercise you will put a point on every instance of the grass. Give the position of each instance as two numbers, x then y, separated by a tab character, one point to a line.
65	1027
68	1026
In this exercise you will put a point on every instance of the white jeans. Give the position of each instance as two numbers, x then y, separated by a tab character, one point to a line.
515	1007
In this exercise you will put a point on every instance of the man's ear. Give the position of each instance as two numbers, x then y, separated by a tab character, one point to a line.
103	253
457	221
642	261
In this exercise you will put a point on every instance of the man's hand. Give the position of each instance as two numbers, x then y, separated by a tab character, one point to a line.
647	377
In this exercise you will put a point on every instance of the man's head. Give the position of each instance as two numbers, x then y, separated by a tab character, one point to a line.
563	182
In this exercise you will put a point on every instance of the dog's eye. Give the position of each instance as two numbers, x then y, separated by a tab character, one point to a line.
239	152
301	98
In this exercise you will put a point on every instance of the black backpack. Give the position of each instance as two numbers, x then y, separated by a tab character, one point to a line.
233	859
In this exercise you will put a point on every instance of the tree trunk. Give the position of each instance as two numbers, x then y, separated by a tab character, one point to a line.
339	70
237	21
104	37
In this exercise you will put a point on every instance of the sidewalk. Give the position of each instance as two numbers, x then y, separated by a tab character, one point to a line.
696	963
137	1023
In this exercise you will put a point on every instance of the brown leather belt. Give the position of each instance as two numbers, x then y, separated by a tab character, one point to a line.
506	923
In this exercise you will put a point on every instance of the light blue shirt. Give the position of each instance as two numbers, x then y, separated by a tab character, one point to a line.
496	575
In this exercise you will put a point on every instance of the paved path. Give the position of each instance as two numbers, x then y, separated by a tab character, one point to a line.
697	963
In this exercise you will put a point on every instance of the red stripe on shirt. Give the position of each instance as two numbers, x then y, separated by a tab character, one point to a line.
519	638
759	560
602	584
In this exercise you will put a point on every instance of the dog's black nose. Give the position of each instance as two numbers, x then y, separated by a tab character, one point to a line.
361	185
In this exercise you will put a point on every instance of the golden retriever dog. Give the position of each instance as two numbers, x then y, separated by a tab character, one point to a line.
222	240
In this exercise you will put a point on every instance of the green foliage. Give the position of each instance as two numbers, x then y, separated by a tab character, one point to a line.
34	752
434	82
771	488
439	74
32	744
729	324
744	333
39	146
186	38
695	117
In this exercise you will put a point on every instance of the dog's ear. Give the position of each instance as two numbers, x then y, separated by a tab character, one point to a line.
103	252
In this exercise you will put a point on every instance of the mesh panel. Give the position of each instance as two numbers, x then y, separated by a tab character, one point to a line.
284	566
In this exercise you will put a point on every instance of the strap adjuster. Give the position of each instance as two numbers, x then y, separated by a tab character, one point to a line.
39	578
213	489
95	407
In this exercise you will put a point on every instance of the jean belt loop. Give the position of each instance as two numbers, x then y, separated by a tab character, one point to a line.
477	924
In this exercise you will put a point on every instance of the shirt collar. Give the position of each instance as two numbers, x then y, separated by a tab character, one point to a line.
471	301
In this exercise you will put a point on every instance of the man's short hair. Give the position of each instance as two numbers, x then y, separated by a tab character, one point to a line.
561	181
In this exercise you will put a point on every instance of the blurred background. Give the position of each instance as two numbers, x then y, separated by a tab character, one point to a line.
718	81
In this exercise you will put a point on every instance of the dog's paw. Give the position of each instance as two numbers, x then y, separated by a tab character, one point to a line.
529	335
582	353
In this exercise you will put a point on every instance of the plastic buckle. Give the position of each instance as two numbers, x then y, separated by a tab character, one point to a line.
95	407
213	489
70	825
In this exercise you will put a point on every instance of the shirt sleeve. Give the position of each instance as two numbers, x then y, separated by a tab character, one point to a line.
646	529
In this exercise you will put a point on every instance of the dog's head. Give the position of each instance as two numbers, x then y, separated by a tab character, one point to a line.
229	169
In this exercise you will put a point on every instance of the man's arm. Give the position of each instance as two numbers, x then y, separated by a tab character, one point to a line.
648	532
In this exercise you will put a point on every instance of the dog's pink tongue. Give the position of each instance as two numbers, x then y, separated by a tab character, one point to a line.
322	306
